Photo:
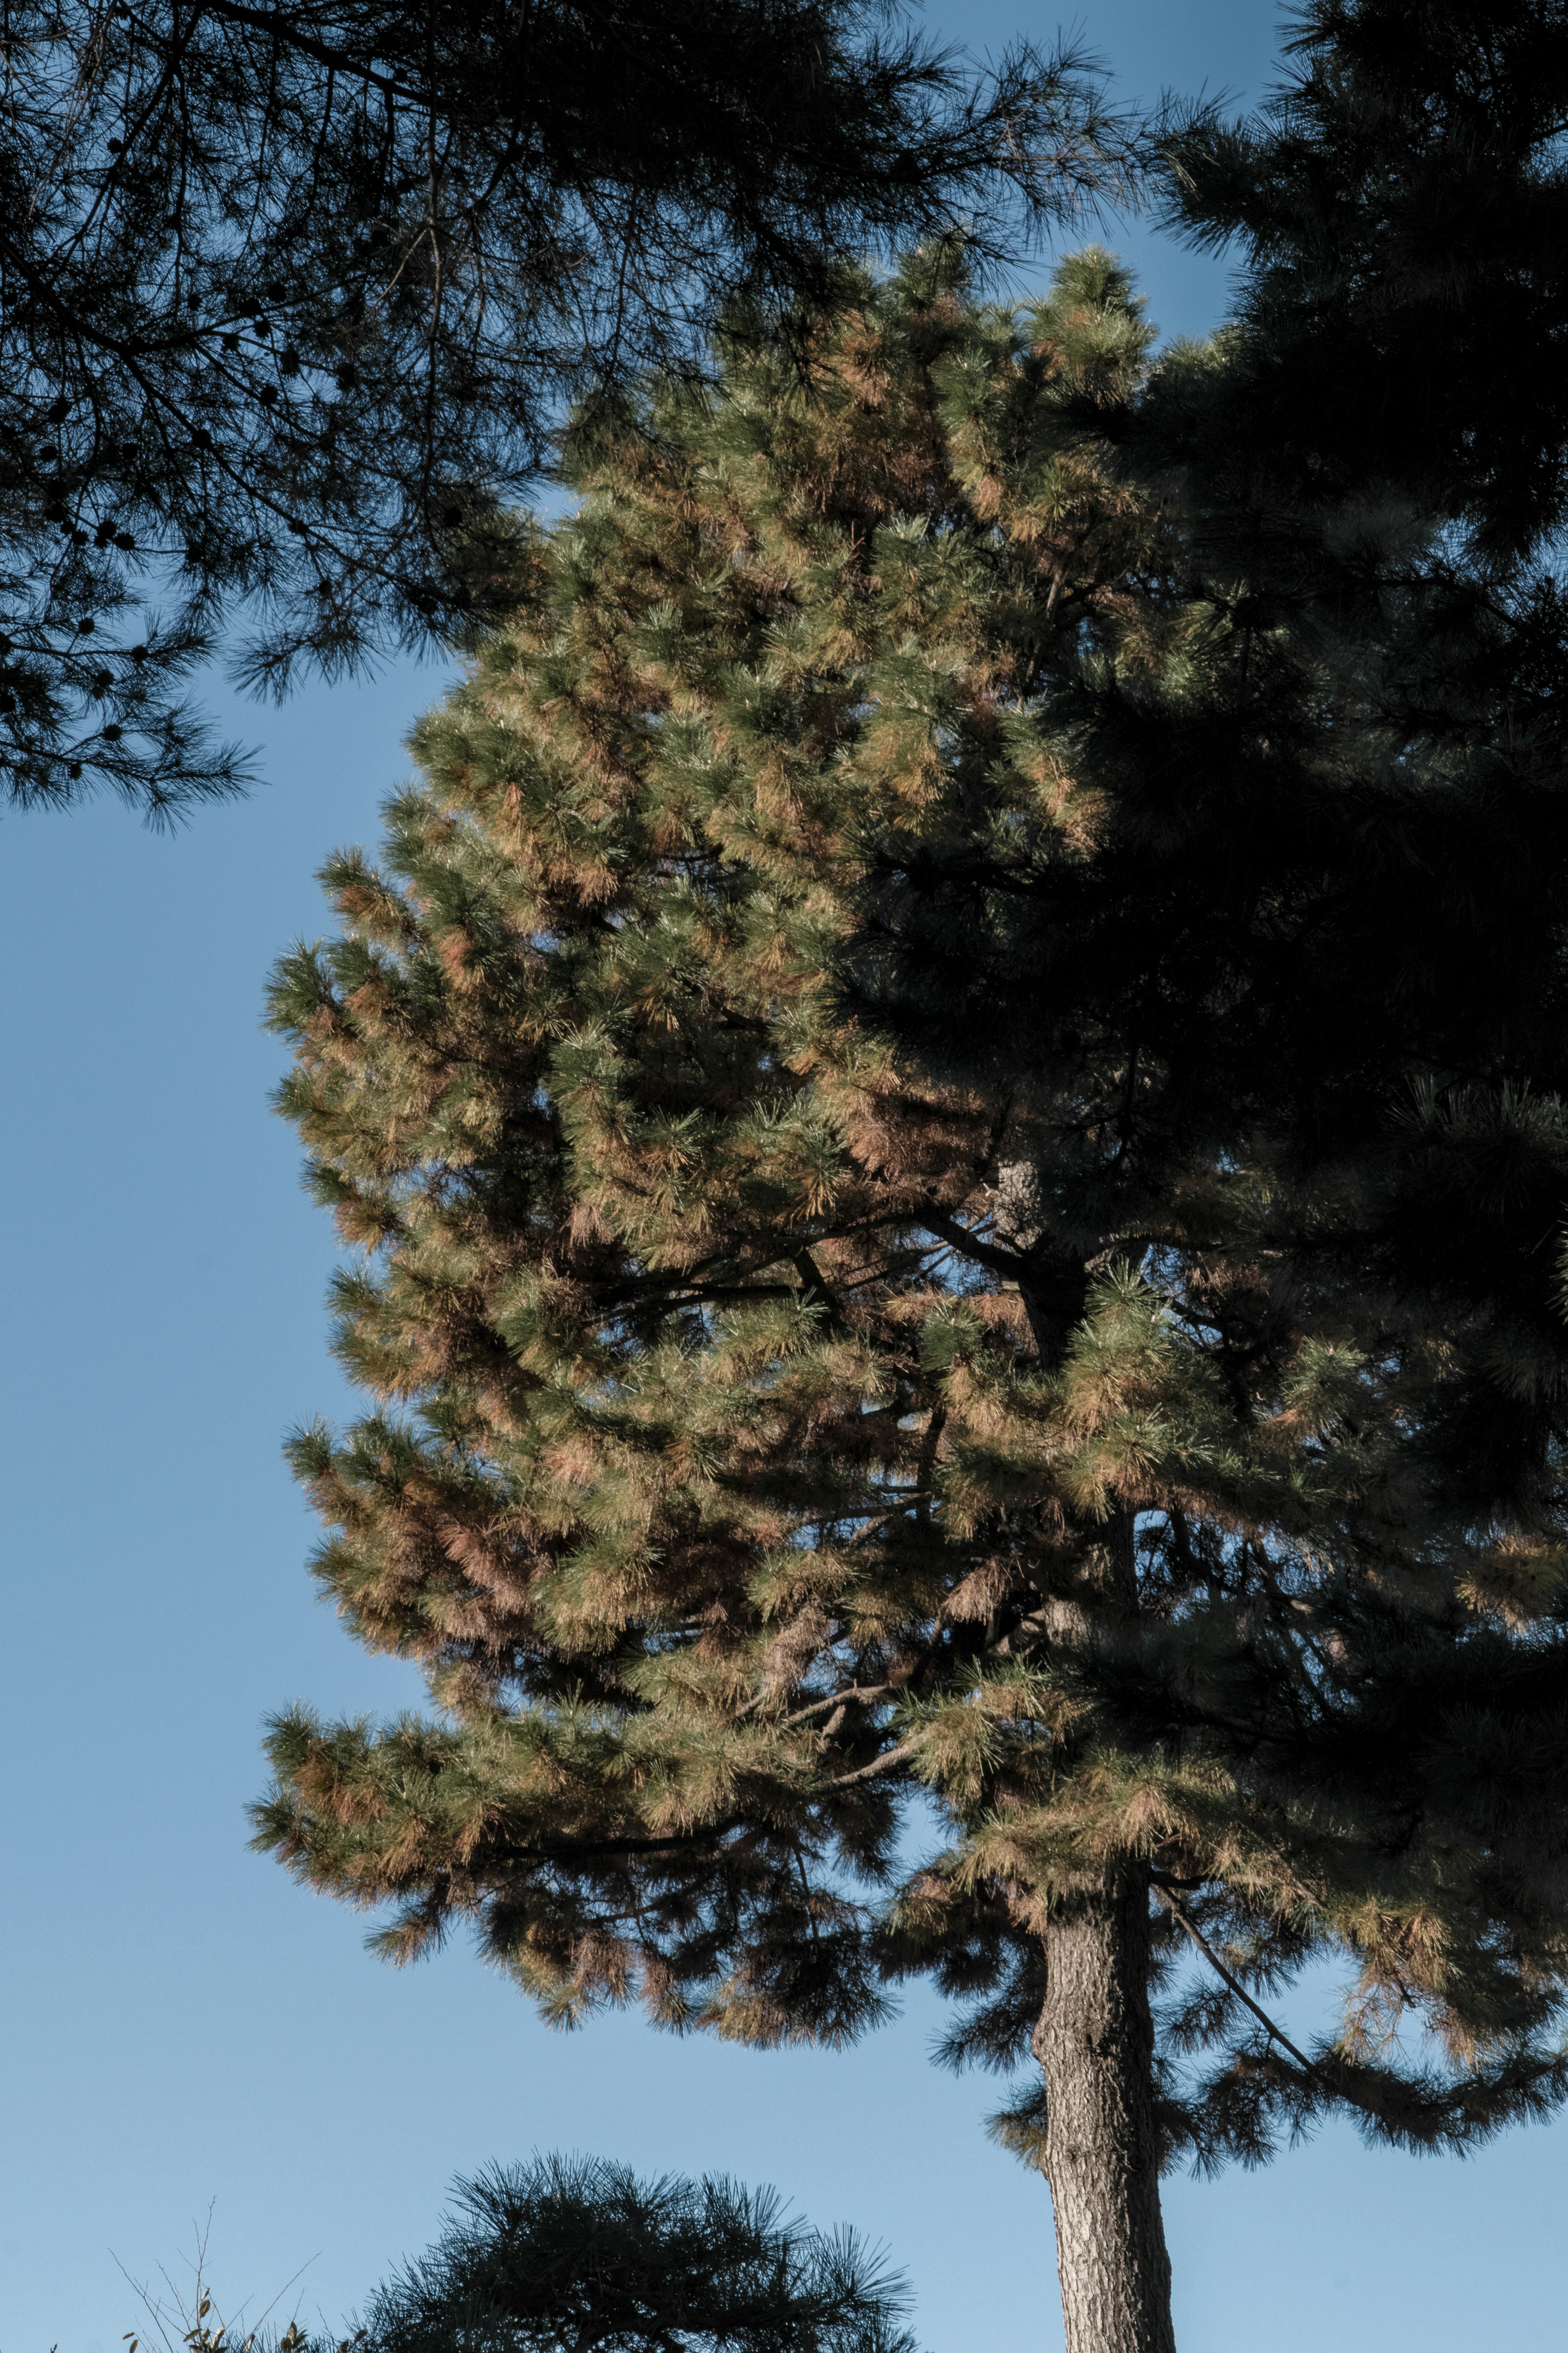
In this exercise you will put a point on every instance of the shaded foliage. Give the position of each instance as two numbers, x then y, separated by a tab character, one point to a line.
292	298
1401	209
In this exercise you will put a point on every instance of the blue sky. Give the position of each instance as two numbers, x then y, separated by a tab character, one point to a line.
184	2029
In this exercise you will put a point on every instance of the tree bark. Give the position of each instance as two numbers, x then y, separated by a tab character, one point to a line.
1095	2044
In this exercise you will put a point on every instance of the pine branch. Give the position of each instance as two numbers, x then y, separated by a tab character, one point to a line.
1177	1911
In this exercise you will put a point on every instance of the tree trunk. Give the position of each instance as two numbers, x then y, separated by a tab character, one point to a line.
1095	2044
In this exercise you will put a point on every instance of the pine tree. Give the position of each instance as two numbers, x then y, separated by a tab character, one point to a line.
577	2253
954	1150
293	298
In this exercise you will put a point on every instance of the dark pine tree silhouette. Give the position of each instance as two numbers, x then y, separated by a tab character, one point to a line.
292	298
576	2252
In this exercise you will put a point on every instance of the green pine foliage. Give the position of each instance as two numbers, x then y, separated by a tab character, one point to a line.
579	2251
950	1273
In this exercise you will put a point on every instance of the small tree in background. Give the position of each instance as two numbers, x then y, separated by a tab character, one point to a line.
578	2253
952	1136
570	2254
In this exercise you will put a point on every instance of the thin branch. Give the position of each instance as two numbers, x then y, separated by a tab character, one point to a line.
864	1694
1011	1264
883	1764
1276	2033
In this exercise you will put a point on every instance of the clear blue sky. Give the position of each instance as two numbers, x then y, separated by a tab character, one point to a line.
182	2028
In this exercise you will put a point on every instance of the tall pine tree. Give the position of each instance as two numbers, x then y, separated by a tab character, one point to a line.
952	1138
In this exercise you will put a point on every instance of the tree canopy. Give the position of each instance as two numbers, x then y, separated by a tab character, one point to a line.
292	298
952	1092
954	1116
